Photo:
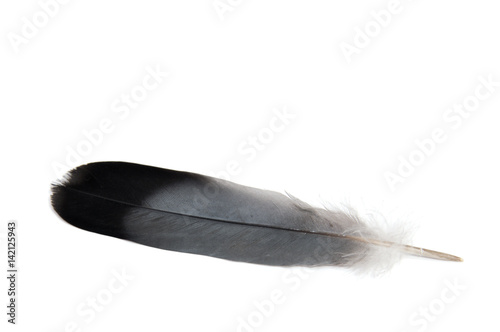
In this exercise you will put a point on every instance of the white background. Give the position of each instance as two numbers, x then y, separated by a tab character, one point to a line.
228	74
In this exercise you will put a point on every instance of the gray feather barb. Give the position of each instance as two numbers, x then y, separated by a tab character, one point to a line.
197	214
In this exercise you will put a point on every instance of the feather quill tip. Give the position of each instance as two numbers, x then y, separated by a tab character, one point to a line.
427	253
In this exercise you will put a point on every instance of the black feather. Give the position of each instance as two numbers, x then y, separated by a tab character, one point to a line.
197	214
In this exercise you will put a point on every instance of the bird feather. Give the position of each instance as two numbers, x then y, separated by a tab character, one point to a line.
197	214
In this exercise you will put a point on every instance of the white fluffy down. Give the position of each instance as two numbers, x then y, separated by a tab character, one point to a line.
370	224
